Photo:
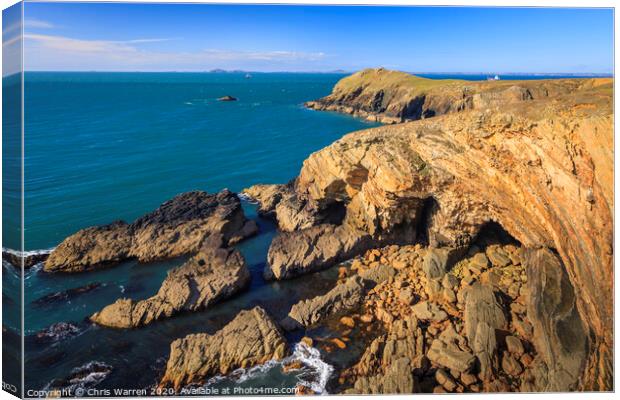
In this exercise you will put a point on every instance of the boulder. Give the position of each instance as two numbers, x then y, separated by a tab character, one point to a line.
377	274
514	346
438	261
428	311
449	355
312	249
484	346
558	332
212	275
252	338
341	298
387	365
497	256
481	305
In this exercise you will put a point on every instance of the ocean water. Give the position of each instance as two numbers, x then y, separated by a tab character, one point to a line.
106	146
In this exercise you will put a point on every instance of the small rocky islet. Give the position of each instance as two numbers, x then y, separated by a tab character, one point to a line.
472	236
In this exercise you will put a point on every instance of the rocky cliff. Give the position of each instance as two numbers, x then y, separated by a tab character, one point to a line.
394	97
535	157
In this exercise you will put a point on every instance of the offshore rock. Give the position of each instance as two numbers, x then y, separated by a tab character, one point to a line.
214	274
250	339
177	227
30	259
91	248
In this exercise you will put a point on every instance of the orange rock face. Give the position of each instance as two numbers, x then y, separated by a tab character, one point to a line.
539	164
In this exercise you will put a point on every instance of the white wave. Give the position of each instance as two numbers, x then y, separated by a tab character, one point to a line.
247	198
27	253
311	357
244	375
315	372
86	376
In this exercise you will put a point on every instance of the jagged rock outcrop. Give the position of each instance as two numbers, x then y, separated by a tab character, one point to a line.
177	227
213	274
312	249
535	157
343	297
267	197
389	362
290	211
250	339
93	247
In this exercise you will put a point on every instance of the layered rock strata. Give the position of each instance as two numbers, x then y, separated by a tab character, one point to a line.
213	274
252	338
177	227
535	157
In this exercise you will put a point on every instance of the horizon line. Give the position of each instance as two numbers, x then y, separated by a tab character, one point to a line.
331	71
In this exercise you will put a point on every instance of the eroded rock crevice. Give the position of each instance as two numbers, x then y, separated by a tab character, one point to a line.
492	156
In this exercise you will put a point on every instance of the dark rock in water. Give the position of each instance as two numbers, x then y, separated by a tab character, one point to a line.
48	360
214	274
177	227
86	376
57	331
66	295
30	260
227	98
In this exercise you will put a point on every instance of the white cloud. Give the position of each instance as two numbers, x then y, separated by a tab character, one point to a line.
265	55
36	23
48	52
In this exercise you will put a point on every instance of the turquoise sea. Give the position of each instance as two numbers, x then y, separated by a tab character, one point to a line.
106	146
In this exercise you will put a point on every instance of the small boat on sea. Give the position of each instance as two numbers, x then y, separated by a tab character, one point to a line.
493	78
248	76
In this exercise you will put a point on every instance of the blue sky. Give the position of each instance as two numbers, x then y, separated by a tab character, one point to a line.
198	37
